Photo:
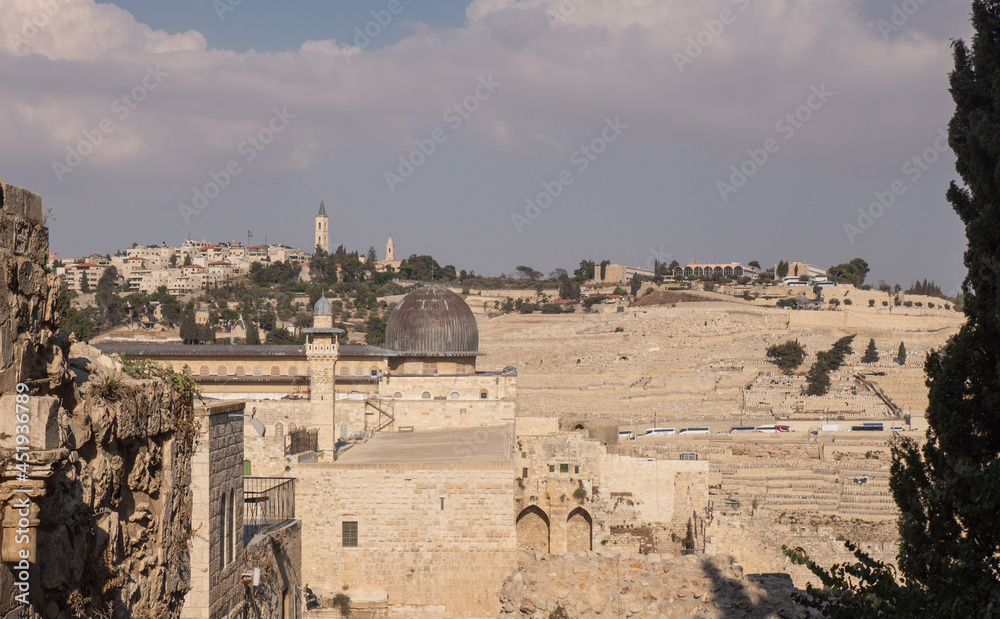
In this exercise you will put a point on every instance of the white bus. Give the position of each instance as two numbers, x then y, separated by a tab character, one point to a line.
625	435
660	432
695	431
742	429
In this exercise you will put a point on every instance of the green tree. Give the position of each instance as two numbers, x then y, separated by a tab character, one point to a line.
781	270
84	284
901	355
871	353
853	272
753	264
787	356
281	336
375	331
190	331
253	335
635	285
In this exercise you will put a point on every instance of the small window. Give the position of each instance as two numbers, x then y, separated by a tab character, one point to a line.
524	454
204	371
275	370
359	371
240	371
258	371
524	473
279	430
426	395
350	533
552	468
345	371
222	371
373	372
293	370
483	394
576	469
454	395
247	468
564	468
397	395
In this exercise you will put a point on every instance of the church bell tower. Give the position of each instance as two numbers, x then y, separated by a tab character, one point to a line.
322	228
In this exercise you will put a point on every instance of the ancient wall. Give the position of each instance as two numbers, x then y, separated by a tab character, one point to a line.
434	540
217	493
754	540
278	554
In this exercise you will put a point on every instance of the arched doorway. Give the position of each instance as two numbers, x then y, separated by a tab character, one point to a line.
532	529
579	530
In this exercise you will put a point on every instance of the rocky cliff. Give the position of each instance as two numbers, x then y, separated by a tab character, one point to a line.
101	508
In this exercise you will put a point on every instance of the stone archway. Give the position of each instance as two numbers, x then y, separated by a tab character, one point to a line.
579	530
533	529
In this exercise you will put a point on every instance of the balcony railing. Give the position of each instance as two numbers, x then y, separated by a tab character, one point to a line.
268	503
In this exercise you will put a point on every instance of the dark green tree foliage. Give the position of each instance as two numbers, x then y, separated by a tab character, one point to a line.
818	377
948	489
787	356
927	288
635	285
190	331
901	355
375	331
253	335
781	271
871	353
281	336
853	272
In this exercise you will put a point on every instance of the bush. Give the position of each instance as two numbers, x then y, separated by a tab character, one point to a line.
834	302
848	302
871	302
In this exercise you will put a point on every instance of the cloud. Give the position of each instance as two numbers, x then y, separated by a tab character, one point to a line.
601	58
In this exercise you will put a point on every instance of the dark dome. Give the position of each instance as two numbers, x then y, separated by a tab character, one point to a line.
432	319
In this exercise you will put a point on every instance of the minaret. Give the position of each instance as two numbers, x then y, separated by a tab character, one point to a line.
322	228
390	250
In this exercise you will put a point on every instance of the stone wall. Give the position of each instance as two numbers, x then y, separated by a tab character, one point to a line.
217	492
583	585
435	540
278	554
755	540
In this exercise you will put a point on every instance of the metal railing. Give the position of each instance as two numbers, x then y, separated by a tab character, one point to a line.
268	503
303	440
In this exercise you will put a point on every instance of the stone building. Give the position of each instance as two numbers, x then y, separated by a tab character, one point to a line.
322	229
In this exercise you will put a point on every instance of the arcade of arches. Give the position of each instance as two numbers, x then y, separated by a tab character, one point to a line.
573	532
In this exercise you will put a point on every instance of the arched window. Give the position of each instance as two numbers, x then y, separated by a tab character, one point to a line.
345	371
231	529
293	371
728	271
203	370
275	370
291	428
240	371
359	371
739	271
718	270
247	468
222	371
697	271
454	395
222	531
426	395
397	395
279	429
258	371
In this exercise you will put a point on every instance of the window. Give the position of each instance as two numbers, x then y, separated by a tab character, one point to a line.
349	532
397	395
222	529
430	367
240	371
524	454
524	473
483	394
247	468
345	371
454	395
293	371
359	371
275	370
230	542
564	468
426	395
204	371
552	468
576	469
258	371
279	430
222	371
373	372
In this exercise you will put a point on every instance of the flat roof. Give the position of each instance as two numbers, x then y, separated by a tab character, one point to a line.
483	444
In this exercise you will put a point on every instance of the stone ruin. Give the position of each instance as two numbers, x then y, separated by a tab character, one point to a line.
108	477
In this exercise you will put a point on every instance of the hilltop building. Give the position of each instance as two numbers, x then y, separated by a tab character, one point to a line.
322	229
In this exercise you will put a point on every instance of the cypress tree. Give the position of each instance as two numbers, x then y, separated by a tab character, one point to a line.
871	353
901	355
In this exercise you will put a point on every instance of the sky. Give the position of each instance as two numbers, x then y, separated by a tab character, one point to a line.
494	133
